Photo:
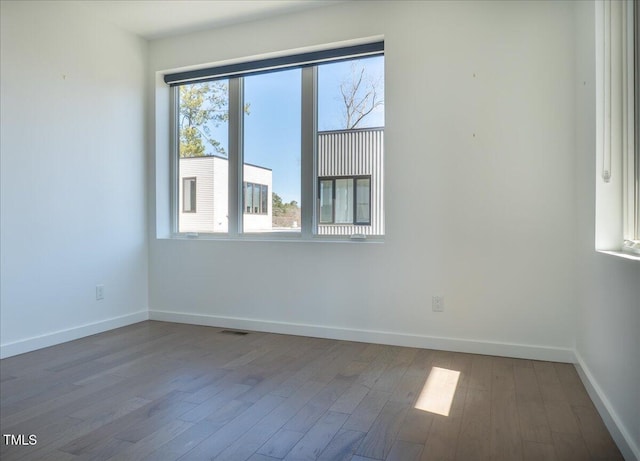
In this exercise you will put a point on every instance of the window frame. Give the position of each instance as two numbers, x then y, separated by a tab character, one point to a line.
333	179
633	189
631	130
309	222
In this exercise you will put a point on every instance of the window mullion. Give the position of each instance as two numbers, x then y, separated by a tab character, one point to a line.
308	151
175	162
636	125
235	155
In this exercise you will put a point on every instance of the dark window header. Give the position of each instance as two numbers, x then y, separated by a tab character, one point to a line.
272	64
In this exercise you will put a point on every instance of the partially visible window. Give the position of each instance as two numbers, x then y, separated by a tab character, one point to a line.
631	160
256	198
634	186
345	200
189	195
617	112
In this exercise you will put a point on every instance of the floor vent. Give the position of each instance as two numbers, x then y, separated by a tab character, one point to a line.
234	332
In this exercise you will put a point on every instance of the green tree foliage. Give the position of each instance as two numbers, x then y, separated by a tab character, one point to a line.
203	106
280	208
285	214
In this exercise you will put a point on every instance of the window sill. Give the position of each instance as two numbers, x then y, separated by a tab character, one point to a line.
276	238
621	254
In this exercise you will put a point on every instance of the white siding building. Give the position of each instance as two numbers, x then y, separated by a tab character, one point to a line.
350	188
203	196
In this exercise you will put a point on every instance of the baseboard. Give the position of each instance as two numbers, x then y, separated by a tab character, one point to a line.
522	351
619	432
61	336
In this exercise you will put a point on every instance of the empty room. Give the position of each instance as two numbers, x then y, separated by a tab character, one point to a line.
332	230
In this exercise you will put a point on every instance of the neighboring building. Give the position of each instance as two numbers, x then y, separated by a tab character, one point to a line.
350	182
203	196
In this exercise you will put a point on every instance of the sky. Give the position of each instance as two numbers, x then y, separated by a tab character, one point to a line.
272	127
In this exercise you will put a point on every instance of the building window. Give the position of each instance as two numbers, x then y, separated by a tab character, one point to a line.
287	133
189	195
345	200
256	197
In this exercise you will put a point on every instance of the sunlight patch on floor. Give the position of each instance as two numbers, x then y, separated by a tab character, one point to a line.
438	391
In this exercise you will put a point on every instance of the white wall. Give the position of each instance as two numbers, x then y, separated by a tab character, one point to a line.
608	320
73	175
480	114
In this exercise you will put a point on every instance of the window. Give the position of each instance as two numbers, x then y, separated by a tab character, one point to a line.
189	195
256	198
632	241
283	146
617	137
345	200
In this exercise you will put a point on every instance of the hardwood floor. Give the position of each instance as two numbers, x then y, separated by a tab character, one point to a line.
162	391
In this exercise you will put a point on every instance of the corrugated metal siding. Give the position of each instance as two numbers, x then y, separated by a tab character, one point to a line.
355	153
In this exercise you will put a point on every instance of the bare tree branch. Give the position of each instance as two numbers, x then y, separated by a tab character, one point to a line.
359	100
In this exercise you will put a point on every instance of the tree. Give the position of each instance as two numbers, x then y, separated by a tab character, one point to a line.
203	106
360	94
285	214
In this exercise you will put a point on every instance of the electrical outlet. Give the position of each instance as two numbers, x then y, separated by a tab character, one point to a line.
437	303
99	292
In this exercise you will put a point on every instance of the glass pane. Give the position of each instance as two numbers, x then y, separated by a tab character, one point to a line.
248	197
256	199
344	201
326	201
272	148
363	193
351	94
186	195
264	207
203	113
351	142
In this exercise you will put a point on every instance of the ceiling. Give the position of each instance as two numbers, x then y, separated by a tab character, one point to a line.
153	19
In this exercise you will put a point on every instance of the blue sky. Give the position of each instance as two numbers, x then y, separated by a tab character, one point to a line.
272	128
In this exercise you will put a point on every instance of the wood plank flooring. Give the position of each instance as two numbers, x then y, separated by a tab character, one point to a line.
162	391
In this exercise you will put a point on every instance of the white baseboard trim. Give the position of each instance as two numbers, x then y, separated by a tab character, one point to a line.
62	336
619	432
522	351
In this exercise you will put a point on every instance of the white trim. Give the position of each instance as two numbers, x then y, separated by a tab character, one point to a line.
621	254
524	351
619	432
62	336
